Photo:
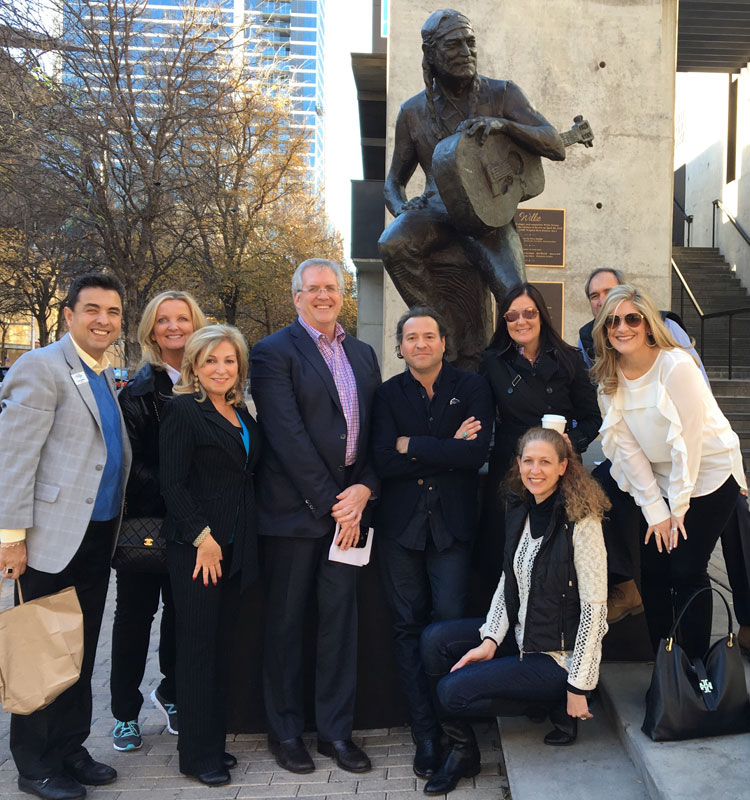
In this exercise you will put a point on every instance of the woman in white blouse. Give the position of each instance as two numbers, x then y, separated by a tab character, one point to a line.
553	596
673	450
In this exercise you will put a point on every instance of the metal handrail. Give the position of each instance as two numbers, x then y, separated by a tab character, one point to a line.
738	227
731	313
686	218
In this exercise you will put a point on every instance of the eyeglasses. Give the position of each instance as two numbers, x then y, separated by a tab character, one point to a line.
314	291
632	320
527	313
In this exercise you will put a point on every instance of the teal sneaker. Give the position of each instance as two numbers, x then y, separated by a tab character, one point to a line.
127	735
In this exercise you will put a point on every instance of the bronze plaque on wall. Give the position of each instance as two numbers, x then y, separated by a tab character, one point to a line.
553	293
542	232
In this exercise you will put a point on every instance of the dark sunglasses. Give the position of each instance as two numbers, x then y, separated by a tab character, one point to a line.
632	320
527	313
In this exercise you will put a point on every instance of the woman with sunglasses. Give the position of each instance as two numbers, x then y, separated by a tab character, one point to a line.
673	450
532	372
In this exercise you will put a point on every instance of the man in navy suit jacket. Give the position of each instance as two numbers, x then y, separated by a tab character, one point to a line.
313	387
431	433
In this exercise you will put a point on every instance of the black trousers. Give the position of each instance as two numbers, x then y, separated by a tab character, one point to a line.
42	743
735	545
205	617
669	579
621	526
295	565
421	586
137	601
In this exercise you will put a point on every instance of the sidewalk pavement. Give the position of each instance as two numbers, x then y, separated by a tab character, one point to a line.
151	773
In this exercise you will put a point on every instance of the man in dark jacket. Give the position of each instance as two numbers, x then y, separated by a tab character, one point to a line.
431	433
313	386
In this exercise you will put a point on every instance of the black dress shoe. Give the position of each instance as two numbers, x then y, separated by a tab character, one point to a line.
229	761
91	773
346	754
427	758
61	787
292	755
214	777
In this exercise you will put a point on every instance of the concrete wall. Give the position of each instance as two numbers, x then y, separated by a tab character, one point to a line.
612	61
701	146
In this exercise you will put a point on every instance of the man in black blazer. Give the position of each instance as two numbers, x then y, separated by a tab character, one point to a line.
313	387
431	433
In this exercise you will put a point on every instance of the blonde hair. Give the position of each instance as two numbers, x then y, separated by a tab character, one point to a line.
150	350
581	493
604	371
198	348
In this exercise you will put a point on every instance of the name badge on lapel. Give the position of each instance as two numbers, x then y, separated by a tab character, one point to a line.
79	378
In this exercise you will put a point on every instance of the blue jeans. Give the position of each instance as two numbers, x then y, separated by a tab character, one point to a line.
421	586
506	686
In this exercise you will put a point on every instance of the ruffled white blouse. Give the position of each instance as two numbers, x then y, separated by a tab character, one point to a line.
667	438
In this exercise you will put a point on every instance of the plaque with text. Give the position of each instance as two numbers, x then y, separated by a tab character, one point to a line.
542	232
553	293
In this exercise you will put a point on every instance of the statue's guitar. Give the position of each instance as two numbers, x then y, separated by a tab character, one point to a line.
481	186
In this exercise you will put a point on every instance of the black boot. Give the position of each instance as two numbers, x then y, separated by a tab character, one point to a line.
463	760
566	727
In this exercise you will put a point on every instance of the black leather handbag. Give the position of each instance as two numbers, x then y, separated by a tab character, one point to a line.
693	698
140	546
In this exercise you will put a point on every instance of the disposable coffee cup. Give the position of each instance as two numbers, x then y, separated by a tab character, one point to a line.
555	422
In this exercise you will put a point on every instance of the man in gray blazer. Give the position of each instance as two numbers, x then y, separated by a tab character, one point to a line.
64	459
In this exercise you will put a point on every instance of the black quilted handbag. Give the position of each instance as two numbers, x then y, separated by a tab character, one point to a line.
140	547
693	698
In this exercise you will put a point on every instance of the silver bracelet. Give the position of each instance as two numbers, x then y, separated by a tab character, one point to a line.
7	545
201	536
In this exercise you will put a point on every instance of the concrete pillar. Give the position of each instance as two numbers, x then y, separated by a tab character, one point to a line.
612	61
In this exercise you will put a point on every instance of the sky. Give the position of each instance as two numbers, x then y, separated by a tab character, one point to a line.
348	30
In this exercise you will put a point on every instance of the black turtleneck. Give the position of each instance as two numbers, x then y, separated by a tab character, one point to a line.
540	514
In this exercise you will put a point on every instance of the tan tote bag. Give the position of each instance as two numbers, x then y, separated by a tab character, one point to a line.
41	650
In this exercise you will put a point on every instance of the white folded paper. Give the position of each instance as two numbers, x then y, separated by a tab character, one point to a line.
356	556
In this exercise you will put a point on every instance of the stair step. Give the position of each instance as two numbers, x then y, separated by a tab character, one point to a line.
699	768
596	766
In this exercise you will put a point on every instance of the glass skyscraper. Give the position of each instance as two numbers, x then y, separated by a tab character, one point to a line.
287	35
294	31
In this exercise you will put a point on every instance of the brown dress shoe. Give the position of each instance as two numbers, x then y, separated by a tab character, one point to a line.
624	599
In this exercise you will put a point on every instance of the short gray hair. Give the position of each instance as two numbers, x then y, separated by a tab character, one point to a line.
616	272
318	263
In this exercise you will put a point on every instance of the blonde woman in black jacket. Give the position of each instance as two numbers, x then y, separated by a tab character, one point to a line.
209	445
167	323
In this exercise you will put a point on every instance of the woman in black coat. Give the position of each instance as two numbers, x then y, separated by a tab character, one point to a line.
532	372
209	445
167	323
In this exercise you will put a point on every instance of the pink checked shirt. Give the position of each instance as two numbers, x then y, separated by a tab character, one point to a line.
346	385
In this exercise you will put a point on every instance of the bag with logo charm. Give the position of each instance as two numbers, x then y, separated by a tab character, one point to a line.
140	546
692	698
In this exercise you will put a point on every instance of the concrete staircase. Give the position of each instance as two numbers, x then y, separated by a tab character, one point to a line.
614	759
733	398
716	288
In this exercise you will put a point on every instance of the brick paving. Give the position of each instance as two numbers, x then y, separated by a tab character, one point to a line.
151	773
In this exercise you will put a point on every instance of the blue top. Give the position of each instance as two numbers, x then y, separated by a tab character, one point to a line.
109	497
245	434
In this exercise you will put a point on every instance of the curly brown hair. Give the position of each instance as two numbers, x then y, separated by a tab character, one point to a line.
582	494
